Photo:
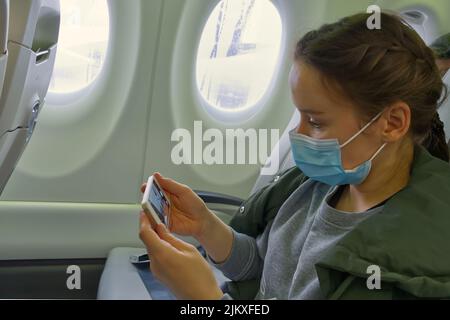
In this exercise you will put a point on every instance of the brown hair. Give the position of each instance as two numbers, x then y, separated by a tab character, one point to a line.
376	68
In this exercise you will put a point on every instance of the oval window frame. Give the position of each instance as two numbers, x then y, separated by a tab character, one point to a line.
243	114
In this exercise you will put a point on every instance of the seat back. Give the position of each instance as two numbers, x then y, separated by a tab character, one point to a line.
281	151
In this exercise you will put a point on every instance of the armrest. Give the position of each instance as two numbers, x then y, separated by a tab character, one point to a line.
213	197
121	280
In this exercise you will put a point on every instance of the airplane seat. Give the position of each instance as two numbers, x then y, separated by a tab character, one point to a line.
4	27
121	280
282	150
28	44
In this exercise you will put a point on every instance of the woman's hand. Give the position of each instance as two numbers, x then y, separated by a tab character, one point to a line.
188	215
178	264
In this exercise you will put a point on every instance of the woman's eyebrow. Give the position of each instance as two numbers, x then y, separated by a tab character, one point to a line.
311	111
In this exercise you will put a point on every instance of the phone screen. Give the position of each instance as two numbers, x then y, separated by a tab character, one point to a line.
159	202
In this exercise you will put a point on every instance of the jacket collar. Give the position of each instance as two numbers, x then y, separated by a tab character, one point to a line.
408	240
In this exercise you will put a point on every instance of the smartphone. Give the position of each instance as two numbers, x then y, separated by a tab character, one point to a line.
139	258
156	203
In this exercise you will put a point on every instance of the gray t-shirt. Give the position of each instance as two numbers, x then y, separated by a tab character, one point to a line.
284	255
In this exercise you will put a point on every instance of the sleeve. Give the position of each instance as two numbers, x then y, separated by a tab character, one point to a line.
246	259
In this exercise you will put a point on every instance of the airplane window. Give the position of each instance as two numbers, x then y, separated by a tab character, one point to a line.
82	44
238	53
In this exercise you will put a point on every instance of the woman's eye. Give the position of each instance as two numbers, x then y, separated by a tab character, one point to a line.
314	124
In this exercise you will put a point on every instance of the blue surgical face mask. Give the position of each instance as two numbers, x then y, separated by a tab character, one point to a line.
320	159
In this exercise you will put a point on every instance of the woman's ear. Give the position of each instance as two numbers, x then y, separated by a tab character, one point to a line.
397	121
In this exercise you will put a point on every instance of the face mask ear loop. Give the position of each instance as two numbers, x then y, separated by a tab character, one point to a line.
362	130
378	152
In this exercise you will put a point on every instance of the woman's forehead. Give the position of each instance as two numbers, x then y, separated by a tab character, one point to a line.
310	90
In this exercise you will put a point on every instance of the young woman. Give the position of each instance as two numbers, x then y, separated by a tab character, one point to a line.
373	200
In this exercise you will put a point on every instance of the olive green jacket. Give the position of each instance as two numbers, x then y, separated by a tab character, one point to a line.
441	46
409	240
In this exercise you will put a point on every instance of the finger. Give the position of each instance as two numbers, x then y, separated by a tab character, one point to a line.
143	186
152	241
169	220
168	237
170	185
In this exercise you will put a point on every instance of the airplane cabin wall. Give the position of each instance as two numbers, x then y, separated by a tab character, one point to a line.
92	150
